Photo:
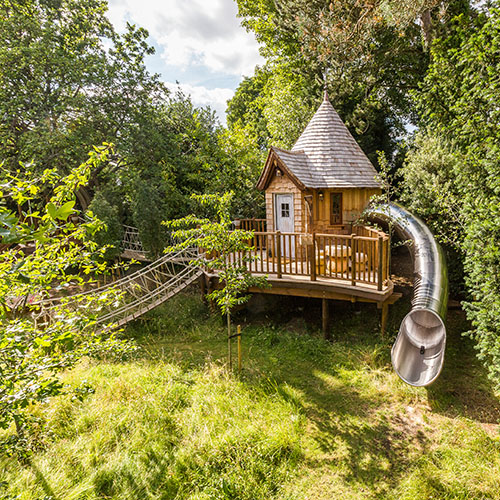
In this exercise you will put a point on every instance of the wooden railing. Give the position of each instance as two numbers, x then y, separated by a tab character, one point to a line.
259	225
367	231
351	258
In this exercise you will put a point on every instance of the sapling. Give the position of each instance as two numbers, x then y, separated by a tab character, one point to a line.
222	249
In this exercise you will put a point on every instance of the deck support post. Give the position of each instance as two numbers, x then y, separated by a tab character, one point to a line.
325	316
203	288
385	315
210	289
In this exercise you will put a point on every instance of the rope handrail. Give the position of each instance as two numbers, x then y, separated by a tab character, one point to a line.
140	291
131	277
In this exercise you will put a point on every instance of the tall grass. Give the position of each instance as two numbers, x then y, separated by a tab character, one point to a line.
153	430
306	420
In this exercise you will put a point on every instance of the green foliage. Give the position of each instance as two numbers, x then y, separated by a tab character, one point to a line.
452	176
61	91
367	61
429	190
287	107
244	109
111	234
148	211
240	171
69	81
34	349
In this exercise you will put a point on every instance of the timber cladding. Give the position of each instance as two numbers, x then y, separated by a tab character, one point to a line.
283	185
353	201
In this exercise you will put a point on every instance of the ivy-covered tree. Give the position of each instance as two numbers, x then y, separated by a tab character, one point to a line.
110	235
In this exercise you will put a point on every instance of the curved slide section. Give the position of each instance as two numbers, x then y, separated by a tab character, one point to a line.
140	291
418	352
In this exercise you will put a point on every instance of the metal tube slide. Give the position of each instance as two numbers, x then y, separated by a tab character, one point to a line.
418	352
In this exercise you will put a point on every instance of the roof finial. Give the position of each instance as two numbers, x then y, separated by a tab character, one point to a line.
325	76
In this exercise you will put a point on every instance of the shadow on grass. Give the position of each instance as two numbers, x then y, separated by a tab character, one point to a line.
356	438
365	444
47	489
463	388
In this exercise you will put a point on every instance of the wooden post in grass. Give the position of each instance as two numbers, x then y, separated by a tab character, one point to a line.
239	348
229	340
385	315
324	317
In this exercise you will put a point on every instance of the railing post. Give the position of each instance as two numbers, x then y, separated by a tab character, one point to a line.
388	272
353	258
278	252
380	249
313	257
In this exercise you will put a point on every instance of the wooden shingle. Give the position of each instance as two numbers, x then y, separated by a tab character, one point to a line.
326	155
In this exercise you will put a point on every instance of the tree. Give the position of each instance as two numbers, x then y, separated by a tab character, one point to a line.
68	81
111	234
33	349
458	103
240	171
370	55
220	246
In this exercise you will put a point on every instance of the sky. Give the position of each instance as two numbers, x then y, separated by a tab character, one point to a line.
199	43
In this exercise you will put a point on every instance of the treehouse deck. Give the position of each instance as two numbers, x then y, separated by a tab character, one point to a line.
352	267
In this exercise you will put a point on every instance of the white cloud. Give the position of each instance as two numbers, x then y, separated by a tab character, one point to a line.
193	33
201	96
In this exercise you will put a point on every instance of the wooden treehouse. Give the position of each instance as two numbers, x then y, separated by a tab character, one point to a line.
311	243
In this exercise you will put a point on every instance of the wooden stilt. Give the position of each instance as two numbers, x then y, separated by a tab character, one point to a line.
324	317
239	348
385	315
210	289
203	288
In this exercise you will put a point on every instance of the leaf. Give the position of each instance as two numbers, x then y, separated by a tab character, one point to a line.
42	342
52	211
65	210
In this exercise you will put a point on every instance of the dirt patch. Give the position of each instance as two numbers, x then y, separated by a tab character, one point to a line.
402	270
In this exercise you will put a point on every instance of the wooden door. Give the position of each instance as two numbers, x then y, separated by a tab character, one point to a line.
284	213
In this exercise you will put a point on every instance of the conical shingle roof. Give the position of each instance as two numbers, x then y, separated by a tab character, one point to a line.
334	155
326	155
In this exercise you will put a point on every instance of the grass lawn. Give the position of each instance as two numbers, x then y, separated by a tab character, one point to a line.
306	419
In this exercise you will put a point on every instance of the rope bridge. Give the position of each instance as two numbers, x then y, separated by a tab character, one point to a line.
139	292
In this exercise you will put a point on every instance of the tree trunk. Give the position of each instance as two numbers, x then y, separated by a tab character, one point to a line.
425	19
